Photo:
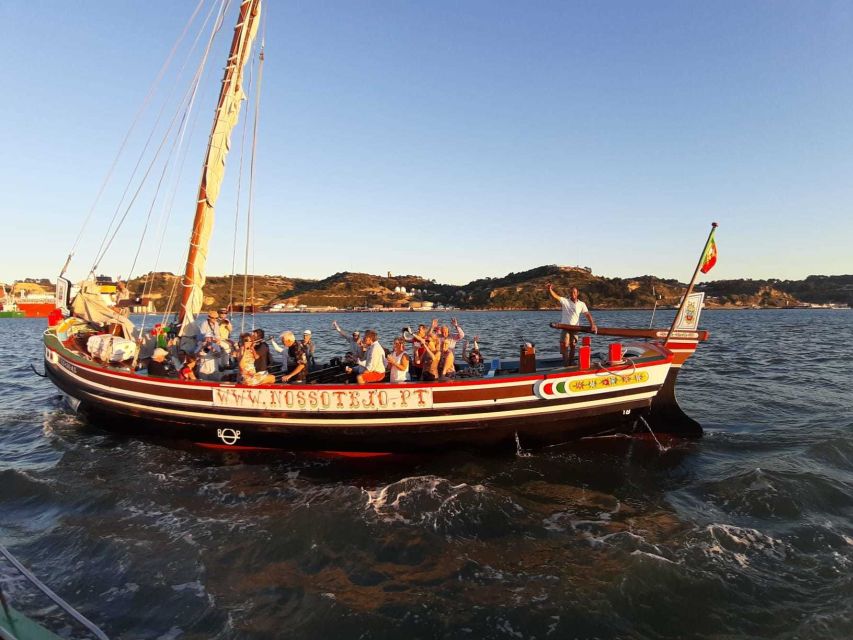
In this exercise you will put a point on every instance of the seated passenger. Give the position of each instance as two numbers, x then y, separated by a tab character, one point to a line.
262	361
308	345
474	358
398	362
225	327
416	361
187	372
444	336
295	359
430	357
374	368
225	359
246	363
447	361
356	346
208	357
159	366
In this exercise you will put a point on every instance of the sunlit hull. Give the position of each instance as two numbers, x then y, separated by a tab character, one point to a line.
535	408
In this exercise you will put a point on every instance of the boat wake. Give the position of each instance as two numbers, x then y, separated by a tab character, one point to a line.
429	501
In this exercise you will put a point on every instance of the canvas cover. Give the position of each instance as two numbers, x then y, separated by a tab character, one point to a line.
90	306
109	348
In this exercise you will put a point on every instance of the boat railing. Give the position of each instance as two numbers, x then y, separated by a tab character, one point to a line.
622	332
53	597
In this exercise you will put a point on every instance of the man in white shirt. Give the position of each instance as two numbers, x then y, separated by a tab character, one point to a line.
208	356
374	360
572	310
208	327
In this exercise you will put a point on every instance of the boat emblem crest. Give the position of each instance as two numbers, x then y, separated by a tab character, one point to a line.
228	436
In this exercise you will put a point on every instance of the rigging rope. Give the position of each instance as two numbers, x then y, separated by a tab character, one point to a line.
190	95
164	226
149	95
239	193
252	185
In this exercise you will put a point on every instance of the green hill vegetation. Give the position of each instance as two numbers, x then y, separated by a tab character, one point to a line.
521	290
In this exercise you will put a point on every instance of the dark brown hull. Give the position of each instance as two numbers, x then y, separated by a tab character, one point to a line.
533	410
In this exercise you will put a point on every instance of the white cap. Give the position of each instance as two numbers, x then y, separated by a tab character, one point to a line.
160	352
307	332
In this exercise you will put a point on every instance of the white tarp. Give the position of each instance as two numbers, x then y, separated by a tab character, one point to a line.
108	348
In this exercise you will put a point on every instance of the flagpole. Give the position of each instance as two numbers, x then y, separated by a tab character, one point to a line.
692	282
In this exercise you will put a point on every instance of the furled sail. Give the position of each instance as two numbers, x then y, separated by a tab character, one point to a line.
227	114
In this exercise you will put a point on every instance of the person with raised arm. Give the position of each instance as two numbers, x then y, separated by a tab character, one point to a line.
356	347
572	308
473	357
431	356
444	336
416	360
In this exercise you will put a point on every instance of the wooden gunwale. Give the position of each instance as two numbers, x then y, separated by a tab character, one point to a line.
438	387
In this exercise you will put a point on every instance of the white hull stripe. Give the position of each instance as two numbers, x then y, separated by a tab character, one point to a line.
656	374
424	418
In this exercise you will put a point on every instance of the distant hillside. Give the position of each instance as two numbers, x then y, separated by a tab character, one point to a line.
814	289
356	290
522	290
528	289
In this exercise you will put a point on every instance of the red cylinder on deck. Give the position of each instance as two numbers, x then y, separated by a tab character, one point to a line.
54	317
616	352
586	341
584	356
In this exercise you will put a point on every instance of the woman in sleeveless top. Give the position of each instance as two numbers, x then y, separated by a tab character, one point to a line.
398	362
246	363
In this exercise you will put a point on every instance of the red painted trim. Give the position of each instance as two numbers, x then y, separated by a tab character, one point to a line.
450	384
232	447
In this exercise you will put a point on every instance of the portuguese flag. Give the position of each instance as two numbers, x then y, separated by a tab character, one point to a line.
709	258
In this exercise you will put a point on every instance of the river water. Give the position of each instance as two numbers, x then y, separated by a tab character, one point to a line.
746	533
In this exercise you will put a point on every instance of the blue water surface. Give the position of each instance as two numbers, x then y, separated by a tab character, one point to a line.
746	533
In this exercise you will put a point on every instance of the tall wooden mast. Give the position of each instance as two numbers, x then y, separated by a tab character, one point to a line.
227	113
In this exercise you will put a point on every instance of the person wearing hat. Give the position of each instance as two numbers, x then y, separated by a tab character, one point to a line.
208	327
225	327
308	346
356	347
159	366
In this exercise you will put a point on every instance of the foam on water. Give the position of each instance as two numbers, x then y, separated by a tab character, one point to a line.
424	501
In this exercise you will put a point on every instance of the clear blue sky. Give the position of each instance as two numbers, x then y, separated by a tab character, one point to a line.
457	140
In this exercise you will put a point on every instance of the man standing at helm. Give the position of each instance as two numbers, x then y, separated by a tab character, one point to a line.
572	310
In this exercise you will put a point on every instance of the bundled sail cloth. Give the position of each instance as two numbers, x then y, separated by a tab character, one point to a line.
89	305
227	114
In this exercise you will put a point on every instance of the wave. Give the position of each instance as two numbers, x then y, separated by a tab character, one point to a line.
458	510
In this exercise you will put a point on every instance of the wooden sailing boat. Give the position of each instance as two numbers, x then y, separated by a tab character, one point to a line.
621	394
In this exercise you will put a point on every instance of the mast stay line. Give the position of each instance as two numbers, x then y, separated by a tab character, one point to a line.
227	114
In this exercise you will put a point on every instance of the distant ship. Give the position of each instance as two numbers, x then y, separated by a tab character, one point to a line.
8	308
25	304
